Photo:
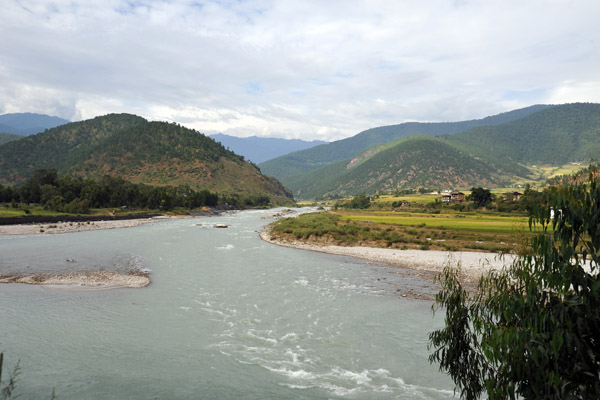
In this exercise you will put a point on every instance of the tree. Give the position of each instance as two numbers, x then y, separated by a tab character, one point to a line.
360	202
531	330
480	196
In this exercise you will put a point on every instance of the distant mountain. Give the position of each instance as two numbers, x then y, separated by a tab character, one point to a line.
128	146
303	161
258	149
483	156
8	137
28	123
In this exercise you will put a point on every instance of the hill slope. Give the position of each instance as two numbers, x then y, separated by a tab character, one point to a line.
565	133
8	137
128	146
303	161
483	156
258	149
28	123
419	161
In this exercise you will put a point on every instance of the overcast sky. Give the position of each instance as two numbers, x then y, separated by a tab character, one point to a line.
322	69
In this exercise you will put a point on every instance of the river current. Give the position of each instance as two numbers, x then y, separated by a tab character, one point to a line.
227	316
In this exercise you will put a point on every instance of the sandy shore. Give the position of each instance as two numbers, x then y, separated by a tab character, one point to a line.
84	280
80	280
473	264
68	227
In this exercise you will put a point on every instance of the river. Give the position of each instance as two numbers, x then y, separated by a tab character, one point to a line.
227	316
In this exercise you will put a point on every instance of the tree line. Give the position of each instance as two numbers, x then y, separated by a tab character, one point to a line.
78	195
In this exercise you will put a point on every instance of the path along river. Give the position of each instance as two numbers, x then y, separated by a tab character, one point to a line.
227	316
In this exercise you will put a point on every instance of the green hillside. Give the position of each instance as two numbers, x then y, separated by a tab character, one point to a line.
419	161
316	157
8	137
562	134
130	147
488	156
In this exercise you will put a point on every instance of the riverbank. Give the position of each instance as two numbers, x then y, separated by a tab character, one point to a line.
69	227
472	264
79	226
84	280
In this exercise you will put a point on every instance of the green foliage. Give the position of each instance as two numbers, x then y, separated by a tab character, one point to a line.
480	196
359	202
532	330
8	137
320	225
77	195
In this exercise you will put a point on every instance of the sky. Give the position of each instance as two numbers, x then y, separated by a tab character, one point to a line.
310	69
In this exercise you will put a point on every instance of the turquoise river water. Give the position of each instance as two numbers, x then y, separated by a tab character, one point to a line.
227	316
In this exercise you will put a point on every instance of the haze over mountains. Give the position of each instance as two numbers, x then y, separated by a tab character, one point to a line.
28	123
258	149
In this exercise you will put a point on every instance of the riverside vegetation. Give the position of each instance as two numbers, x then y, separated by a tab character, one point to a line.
532	330
484	223
74	195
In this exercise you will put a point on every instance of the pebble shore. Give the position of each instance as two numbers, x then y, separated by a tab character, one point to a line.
472	264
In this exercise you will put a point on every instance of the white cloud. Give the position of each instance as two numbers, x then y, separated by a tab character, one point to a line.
309	69
571	92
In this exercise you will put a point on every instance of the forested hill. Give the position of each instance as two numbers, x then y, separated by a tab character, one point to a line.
489	156
8	137
319	156
415	162
565	133
128	146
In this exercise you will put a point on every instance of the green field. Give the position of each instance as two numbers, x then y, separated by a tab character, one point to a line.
467	221
38	211
412	198
453	232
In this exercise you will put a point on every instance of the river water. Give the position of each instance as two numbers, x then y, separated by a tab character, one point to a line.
227	316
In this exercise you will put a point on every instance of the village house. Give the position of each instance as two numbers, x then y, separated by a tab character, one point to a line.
453	197
457	197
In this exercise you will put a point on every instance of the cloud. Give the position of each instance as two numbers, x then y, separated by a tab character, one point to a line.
310	69
572	92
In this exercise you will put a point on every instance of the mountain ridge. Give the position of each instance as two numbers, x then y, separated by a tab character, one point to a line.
488	156
131	147
305	160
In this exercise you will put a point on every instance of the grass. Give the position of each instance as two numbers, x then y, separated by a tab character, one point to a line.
412	198
490	233
458	221
8	212
19	212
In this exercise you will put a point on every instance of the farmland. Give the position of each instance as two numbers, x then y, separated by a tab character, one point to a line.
488	232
